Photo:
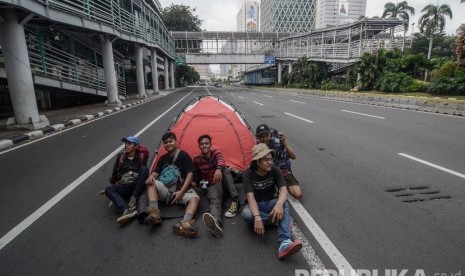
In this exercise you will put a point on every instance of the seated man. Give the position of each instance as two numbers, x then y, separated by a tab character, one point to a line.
178	193
261	180
277	141
128	178
211	174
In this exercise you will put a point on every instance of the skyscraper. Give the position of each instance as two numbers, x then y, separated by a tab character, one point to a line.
287	15
336	12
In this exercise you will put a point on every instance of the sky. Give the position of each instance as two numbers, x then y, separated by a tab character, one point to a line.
220	15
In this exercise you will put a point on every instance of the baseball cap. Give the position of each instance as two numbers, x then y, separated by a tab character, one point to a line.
262	129
131	139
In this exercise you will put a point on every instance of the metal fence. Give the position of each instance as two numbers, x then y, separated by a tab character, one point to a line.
68	58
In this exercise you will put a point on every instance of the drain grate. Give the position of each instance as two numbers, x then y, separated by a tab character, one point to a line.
267	116
416	194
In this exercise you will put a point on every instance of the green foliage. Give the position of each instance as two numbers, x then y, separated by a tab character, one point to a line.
306	74
395	82
448	80
186	75
181	18
370	68
329	85
418	86
444	45
402	10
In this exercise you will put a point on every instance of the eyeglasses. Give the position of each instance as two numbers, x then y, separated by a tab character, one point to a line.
268	160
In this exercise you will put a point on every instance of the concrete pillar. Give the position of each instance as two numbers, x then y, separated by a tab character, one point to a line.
290	67
110	75
280	72
139	72
172	75
19	75
167	77
154	72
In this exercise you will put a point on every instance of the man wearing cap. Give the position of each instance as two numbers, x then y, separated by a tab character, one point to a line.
260	181
283	153
128	178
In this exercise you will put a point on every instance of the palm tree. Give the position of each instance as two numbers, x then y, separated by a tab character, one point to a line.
403	11
433	21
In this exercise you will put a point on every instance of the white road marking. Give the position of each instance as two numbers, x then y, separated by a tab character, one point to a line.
363	114
298	117
333	253
240	97
307	250
23	225
257	103
297	102
433	165
268	96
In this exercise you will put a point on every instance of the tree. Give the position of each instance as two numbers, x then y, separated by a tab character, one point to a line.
433	21
181	18
401	10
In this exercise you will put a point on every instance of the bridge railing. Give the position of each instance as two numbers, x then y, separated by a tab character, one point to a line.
135	18
58	56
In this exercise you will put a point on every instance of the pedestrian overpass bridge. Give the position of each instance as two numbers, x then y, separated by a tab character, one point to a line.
85	46
340	44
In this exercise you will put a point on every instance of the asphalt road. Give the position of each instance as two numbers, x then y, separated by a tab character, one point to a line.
350	159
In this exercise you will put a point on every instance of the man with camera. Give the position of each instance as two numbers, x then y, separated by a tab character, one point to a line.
276	141
211	173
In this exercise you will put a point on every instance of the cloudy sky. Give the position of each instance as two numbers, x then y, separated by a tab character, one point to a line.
220	15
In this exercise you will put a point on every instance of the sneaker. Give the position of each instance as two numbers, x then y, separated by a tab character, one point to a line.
133	203
154	216
186	229
287	248
212	225
127	216
233	209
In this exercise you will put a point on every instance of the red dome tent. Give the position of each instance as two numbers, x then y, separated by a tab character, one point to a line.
212	115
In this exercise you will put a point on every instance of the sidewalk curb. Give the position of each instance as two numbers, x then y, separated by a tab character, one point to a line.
432	105
5	143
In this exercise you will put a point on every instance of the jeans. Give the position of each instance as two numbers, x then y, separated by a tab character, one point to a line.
118	194
265	207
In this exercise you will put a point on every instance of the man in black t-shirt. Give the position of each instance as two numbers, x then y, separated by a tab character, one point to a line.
260	181
174	194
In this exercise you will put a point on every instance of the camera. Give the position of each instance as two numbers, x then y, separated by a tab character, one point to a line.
277	143
203	184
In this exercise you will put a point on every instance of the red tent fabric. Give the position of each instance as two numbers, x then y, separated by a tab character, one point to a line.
213	116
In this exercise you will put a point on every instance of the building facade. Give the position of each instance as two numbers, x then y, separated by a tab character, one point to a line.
248	17
287	15
336	12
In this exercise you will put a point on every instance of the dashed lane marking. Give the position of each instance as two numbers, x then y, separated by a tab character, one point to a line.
295	116
432	165
297	102
257	103
363	114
